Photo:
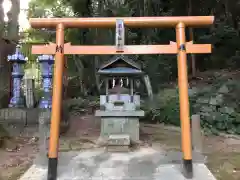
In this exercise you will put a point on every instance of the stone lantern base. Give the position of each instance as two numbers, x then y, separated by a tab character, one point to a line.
17	102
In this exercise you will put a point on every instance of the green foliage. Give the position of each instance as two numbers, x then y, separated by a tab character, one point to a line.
221	123
222	117
81	105
165	108
224	35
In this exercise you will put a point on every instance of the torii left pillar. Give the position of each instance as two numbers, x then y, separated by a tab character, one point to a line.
56	104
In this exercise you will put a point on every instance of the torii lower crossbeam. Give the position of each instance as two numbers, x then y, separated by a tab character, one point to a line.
128	49
181	48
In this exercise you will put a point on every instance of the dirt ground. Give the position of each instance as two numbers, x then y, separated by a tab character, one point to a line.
223	153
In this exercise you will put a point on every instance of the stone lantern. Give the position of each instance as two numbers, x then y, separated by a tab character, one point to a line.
46	67
18	60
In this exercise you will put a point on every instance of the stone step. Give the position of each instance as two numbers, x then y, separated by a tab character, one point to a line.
118	140
118	149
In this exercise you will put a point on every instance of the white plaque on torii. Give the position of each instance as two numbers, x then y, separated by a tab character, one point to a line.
120	35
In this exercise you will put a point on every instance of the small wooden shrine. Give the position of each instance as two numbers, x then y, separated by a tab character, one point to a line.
120	107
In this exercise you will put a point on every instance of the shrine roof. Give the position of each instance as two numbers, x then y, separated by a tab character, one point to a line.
111	66
120	70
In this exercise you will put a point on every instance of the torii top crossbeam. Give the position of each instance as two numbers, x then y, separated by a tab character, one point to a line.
132	22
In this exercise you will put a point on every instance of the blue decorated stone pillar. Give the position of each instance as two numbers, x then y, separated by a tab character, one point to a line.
46	67
17	59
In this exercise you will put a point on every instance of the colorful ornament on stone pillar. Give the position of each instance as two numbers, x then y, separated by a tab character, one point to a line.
18	60
46	67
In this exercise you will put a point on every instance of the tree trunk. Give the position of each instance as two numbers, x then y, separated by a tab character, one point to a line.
147	82
2	23
13	26
191	38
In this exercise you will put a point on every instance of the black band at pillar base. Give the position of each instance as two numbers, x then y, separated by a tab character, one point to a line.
52	169
188	169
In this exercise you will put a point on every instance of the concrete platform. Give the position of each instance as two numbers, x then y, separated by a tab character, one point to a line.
144	164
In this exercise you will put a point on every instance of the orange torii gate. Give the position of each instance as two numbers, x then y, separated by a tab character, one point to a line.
181	48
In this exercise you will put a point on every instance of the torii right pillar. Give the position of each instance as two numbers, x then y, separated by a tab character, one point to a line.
184	100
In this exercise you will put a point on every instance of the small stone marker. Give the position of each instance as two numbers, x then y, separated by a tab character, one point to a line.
44	117
28	91
196	133
118	143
